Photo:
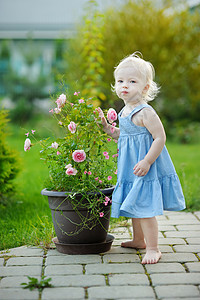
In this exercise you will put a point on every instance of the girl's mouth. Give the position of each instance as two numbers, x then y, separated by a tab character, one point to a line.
124	92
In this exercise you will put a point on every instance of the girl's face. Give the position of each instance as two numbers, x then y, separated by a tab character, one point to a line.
130	85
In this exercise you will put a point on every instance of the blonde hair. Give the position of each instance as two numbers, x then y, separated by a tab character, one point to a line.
146	69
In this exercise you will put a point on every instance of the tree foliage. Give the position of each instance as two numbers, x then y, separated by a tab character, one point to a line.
165	36
168	39
85	56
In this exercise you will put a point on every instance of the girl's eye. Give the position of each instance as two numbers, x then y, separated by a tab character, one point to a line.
132	81
120	81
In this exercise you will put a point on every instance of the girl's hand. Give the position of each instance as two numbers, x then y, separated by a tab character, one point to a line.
103	119
141	168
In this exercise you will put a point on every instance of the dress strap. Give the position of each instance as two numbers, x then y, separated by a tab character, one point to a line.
137	109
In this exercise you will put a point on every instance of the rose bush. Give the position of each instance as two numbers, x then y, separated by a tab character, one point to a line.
83	159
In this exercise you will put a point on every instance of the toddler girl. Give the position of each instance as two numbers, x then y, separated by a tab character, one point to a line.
147	182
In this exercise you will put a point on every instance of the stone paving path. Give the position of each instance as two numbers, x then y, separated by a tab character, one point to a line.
117	274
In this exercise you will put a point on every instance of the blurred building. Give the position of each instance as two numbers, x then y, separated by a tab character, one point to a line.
31	35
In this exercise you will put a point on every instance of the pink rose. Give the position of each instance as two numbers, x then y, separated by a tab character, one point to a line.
101	214
105	153
33	131
111	115
81	101
27	134
57	110
112	129
61	101
68	166
89	173
76	93
109	177
54	145
107	199
107	157
27	144
79	155
115	172
58	153
100	181
109	140
72	127
97	178
71	171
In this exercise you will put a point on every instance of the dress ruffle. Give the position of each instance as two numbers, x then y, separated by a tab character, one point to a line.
147	198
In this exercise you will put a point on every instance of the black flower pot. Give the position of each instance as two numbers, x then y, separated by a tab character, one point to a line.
71	225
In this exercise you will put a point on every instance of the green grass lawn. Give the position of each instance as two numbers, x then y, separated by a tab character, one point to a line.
26	219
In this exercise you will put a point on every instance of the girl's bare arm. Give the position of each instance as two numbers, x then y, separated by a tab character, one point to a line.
153	124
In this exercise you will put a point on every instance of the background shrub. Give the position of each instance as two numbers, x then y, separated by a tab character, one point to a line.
165	36
8	160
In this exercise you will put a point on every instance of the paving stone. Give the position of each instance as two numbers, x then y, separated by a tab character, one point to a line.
193	241
182	216
183	234
182	291
78	280
163	249
25	261
120	292
18	294
162	217
188	298
171	241
117	242
23	251
187	248
178	257
119	249
73	259
119	229
63	270
165	268
166	228
54	252
122	236
128	279
63	293
116	258
178	222
175	278
197	213
114	268
188	227
1	262
14	282
20	271
193	267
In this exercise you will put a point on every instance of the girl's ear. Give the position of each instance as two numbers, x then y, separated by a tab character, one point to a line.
145	88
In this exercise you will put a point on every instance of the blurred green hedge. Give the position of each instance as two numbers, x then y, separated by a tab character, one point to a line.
9	163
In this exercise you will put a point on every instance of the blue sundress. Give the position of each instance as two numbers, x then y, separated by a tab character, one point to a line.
158	190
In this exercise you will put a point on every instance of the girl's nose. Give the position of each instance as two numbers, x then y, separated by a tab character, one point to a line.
125	87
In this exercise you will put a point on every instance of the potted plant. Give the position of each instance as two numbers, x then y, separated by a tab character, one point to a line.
82	171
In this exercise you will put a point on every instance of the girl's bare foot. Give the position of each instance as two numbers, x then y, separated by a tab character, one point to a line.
151	257
134	244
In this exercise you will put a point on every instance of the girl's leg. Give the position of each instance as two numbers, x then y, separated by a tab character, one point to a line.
138	237
150	230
